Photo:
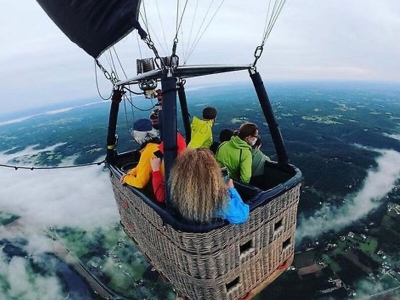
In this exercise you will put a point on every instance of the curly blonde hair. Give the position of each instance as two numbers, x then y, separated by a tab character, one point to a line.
196	185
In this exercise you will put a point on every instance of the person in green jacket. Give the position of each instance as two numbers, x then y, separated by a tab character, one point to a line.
224	136
236	154
259	159
201	133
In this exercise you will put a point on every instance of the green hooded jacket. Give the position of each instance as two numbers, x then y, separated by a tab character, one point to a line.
259	159
236	156
201	136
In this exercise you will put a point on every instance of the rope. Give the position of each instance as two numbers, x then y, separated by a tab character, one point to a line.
158	61
113	74
126	113
179	24
141	109
111	62
197	34
276	10
278	5
144	19
120	64
190	33
96	63
162	28
174	57
138	43
51	168
195	42
129	99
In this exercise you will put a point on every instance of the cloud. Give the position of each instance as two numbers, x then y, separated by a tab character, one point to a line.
18	120
78	197
22	285
378	183
393	136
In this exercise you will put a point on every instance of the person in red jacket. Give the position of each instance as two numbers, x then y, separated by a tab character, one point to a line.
157	175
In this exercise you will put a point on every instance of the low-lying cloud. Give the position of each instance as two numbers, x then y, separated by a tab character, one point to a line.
378	183
77	197
22	285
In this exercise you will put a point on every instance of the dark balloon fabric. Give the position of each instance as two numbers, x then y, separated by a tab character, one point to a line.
94	25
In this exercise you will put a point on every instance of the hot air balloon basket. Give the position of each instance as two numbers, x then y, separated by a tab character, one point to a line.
226	262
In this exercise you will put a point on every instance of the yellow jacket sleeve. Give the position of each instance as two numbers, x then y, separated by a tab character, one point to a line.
140	175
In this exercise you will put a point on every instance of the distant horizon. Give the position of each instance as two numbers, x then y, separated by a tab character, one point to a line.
40	109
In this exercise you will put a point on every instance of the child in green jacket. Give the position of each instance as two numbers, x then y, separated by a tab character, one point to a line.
201	133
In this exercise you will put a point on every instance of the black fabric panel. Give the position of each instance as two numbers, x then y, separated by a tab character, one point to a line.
94	25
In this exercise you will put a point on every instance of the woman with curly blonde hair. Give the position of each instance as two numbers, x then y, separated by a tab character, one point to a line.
199	192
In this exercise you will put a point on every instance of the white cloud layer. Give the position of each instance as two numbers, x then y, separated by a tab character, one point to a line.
78	197
378	183
24	286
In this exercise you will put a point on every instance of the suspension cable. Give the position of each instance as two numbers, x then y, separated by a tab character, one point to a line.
110	60
276	10
51	168
158	61
197	34
201	35
106	74
138	108
190	33
119	62
140	48
149	28
126	114
178	26
278	5
144	19
162	28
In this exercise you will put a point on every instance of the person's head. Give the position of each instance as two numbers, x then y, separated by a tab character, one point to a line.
209	113
225	135
248	132
143	131
154	119
196	185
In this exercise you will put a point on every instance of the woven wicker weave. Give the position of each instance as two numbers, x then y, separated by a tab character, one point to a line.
225	263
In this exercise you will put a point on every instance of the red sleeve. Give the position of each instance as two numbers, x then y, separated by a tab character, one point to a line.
158	186
180	140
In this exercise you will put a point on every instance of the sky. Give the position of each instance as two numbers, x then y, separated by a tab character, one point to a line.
311	40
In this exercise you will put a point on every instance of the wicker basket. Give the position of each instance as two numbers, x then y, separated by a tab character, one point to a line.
224	263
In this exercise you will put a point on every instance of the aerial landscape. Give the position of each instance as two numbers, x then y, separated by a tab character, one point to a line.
347	235
330	71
